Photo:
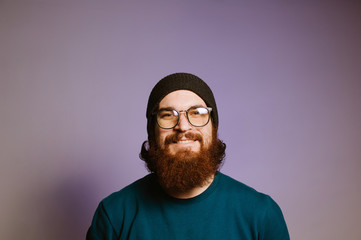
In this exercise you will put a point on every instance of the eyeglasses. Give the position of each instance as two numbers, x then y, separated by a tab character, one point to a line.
197	116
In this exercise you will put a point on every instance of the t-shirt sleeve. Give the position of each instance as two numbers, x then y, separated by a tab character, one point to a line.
101	227
274	223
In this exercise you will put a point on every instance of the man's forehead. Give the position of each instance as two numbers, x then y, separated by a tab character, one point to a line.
181	99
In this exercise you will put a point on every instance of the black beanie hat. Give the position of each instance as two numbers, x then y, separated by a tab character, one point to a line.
180	81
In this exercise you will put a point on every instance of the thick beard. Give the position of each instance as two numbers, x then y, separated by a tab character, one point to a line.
187	169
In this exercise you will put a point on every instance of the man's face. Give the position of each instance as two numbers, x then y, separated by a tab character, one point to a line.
188	136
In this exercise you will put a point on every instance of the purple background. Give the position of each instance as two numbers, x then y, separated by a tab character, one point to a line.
75	77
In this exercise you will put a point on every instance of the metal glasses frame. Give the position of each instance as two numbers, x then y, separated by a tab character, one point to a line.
209	109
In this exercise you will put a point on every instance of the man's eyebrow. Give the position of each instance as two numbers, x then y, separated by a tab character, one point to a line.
170	108
198	105
166	109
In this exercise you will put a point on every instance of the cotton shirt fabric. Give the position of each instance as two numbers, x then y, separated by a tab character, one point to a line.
228	209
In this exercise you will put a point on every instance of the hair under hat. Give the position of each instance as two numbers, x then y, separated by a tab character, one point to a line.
180	81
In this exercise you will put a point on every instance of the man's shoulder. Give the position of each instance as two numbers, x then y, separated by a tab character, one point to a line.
240	195
230	182
240	190
131	192
255	205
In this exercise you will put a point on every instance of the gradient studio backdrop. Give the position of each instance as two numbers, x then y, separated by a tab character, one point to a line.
75	78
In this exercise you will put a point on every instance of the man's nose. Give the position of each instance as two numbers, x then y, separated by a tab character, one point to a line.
183	124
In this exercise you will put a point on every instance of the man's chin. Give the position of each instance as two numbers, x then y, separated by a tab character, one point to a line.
190	152
176	149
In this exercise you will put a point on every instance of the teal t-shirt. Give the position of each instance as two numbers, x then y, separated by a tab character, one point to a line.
228	209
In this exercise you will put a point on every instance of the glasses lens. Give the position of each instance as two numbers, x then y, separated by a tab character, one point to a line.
198	116
167	118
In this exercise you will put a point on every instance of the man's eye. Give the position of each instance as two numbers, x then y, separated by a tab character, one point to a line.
166	115
195	112
198	111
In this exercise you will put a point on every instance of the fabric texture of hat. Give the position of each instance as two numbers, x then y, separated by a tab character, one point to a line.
180	81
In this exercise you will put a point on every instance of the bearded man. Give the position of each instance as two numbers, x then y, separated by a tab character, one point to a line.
185	196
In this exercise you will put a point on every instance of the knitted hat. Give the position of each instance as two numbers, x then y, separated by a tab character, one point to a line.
180	81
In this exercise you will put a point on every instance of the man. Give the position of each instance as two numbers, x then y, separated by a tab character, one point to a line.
185	196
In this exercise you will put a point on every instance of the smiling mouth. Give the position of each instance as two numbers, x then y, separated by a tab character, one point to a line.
181	138
185	141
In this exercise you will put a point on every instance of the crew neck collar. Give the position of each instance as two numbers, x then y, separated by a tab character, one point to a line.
197	198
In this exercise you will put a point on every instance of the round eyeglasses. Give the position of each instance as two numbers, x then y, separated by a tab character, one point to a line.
197	116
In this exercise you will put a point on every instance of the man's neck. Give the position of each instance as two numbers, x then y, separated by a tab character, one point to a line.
192	192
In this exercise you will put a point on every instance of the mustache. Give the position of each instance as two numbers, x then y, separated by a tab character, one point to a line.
178	136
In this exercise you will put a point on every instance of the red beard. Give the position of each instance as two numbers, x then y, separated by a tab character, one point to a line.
187	169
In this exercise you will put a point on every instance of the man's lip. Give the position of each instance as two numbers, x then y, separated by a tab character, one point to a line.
187	138
185	141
